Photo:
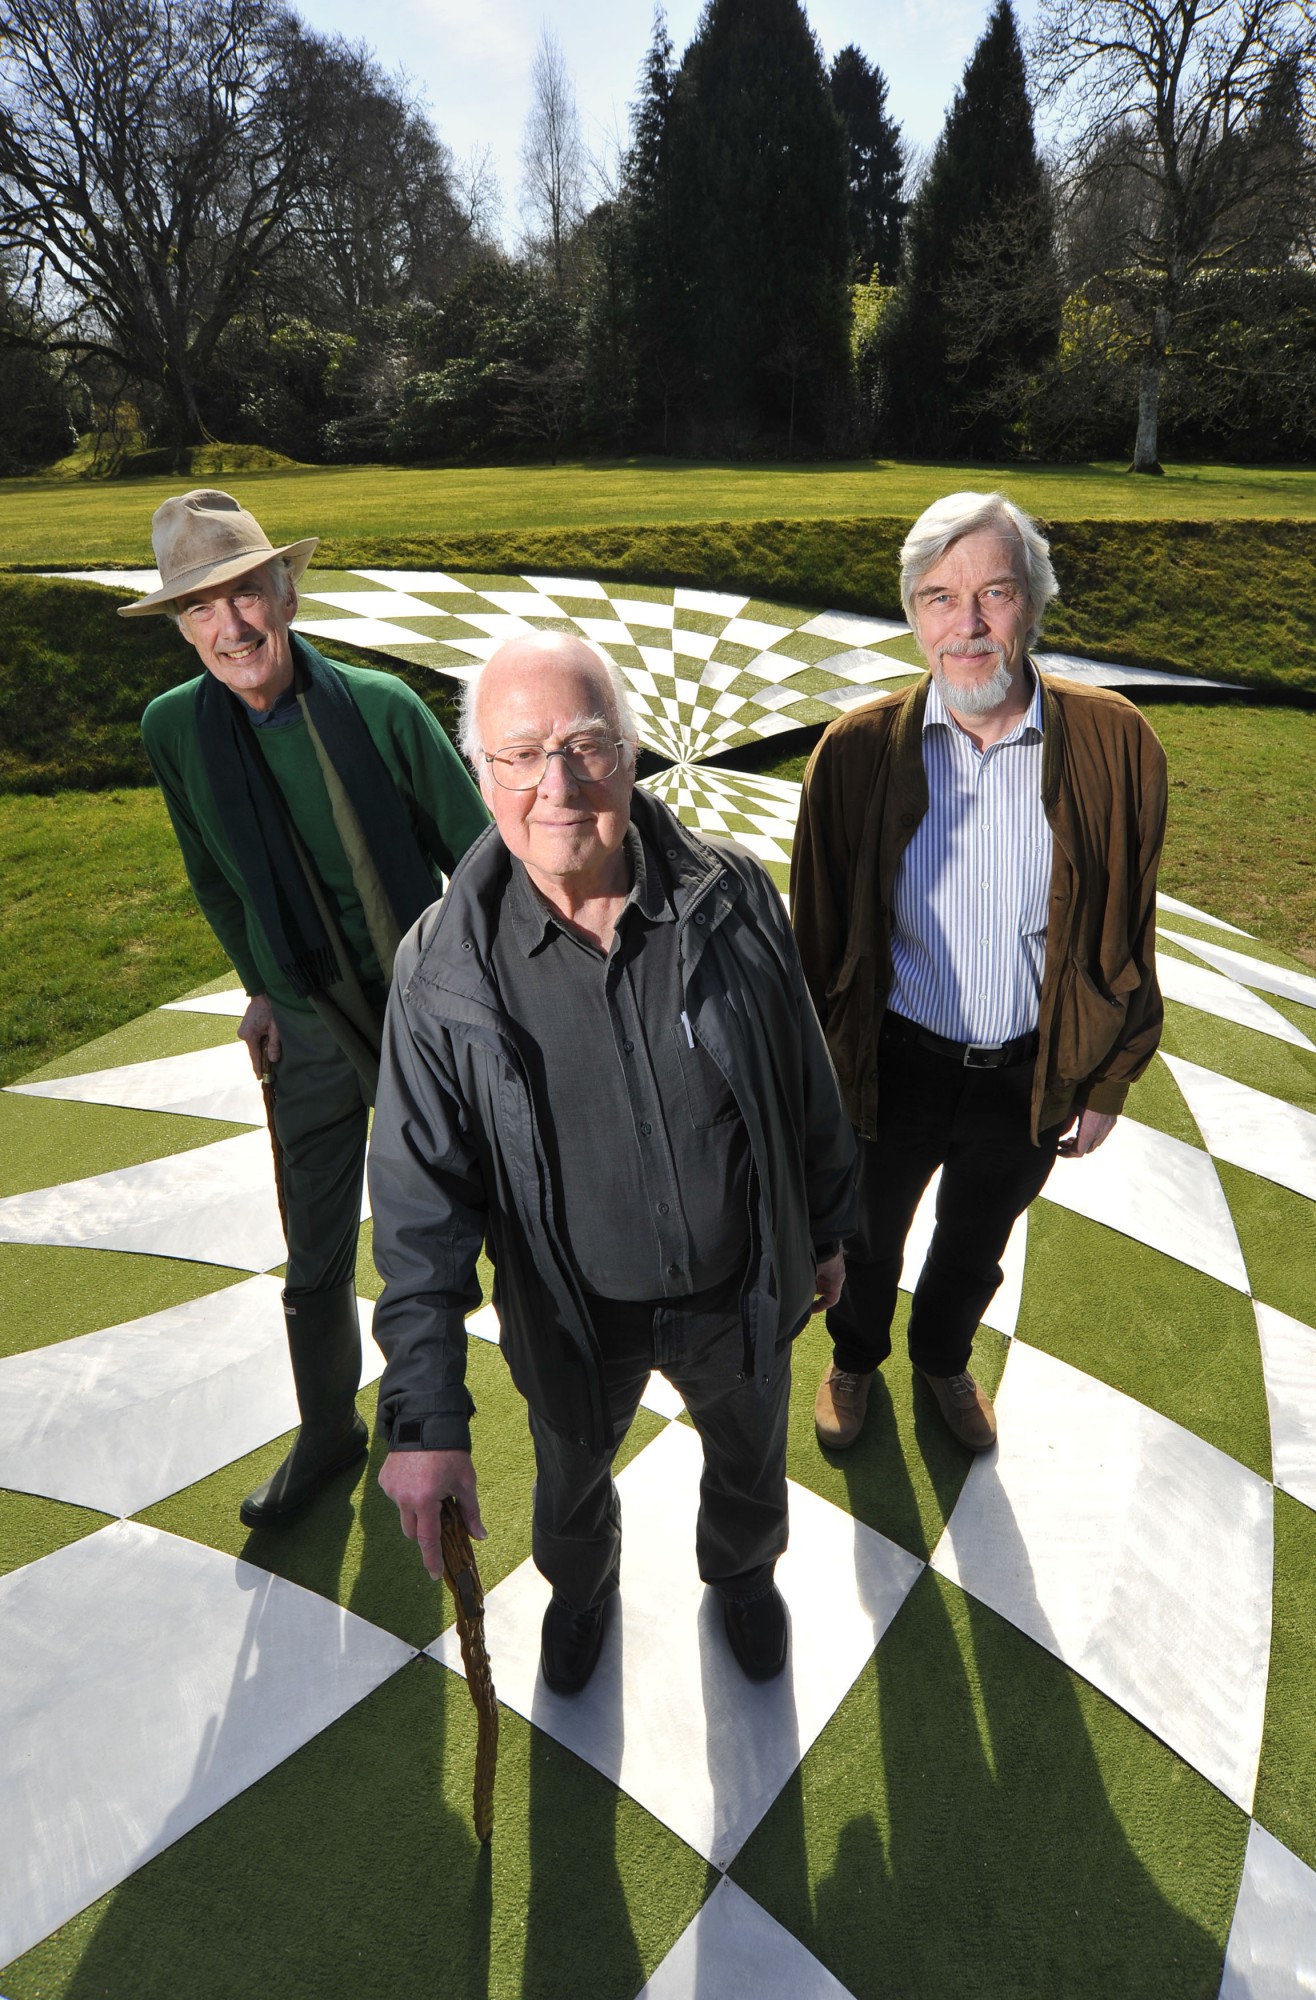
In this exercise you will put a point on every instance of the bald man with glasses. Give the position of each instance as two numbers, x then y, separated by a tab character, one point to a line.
600	1054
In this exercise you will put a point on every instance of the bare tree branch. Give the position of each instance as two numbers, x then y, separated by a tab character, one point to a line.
552	152
166	165
1174	171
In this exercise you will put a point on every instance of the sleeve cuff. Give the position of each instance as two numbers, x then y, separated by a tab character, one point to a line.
427	1429
1106	1096
429	1434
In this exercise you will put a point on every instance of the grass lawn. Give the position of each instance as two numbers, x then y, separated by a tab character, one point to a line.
98	922
94	524
1240	822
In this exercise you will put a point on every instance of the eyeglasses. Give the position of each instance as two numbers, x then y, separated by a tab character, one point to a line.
521	766
243	601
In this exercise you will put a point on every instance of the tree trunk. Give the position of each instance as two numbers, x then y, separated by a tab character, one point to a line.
184	411
1149	400
1149	395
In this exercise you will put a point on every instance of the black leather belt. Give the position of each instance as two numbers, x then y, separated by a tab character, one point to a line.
973	1055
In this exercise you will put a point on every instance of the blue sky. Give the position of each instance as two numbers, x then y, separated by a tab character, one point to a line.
472	58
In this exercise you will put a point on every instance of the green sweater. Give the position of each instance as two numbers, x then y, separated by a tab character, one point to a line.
445	809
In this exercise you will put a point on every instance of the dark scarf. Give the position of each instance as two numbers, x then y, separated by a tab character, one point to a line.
254	817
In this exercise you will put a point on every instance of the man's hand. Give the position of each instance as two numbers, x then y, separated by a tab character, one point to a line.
1090	1130
828	1279
260	1031
418	1483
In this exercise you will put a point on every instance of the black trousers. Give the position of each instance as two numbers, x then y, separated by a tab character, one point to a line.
742	1522
322	1117
974	1125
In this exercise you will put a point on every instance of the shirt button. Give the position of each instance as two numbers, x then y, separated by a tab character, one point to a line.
645	1127
673	1270
629	1048
662	1208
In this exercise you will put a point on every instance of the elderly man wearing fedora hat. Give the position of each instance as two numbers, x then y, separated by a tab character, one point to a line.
318	808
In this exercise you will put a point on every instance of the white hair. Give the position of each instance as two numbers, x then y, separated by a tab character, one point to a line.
619	701
958	514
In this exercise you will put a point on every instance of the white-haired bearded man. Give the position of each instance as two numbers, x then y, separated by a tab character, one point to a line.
973	891
600	1055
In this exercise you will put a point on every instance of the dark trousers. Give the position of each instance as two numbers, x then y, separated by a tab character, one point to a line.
974	1125
741	1528
322	1118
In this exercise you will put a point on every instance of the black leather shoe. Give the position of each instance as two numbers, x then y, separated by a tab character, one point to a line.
569	1646
757	1633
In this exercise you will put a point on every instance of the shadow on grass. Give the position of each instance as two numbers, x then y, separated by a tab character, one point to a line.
980	1820
578	1933
340	1872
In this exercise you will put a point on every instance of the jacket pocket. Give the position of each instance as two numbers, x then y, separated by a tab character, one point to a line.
844	979
707	1092
1088	1020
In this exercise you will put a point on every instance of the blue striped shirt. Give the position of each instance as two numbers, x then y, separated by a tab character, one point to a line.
968	933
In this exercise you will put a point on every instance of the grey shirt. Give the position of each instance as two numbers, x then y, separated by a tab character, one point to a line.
648	1154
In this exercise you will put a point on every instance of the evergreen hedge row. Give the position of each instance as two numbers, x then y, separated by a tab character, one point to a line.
1227	600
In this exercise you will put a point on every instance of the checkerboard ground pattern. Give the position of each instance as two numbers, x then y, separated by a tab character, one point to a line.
707	670
1131	1559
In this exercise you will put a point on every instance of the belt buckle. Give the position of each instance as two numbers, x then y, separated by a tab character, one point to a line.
981	1055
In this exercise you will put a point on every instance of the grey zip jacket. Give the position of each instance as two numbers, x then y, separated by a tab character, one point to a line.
457	1155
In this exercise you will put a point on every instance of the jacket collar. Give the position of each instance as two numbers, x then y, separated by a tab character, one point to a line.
455	960
532	916
908	741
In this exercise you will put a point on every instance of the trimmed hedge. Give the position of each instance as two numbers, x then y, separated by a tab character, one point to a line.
75	678
1227	600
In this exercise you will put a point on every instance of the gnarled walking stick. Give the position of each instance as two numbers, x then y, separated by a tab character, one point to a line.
267	1092
468	1599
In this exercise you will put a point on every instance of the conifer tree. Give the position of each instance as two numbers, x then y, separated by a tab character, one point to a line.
979	298
653	250
877	166
760	199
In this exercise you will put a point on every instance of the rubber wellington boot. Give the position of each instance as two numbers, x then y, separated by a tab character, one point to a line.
324	1343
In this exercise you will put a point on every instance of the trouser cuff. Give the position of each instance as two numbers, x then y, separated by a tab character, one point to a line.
939	1361
749	1587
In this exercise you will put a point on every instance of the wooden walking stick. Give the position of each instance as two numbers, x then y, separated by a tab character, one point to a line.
267	1092
468	1599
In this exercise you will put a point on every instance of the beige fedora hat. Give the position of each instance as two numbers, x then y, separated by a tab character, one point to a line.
203	538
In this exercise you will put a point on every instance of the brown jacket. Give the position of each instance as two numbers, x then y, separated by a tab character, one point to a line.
1103	789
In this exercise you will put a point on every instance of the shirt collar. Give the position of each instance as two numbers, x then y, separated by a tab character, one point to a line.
534	919
936	715
285	710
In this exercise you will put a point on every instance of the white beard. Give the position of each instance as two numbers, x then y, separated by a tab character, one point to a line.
977	698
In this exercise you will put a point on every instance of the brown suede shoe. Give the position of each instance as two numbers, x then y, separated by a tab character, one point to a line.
967	1408
840	1406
